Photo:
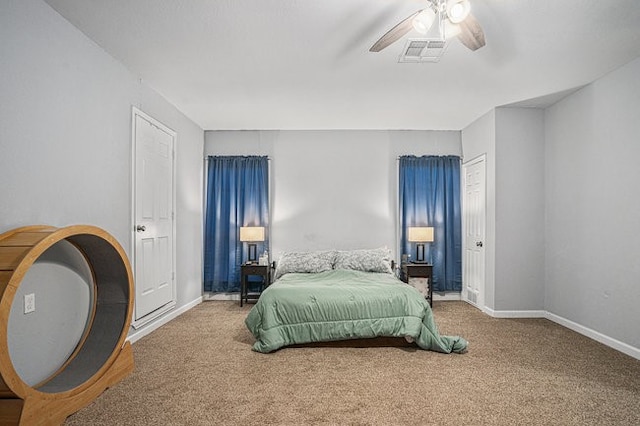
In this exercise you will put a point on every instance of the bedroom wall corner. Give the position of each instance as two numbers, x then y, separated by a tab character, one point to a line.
592	209
513	141
520	201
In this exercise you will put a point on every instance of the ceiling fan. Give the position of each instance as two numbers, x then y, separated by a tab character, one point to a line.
450	16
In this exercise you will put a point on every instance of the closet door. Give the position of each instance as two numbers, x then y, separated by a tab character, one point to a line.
154	217
474	223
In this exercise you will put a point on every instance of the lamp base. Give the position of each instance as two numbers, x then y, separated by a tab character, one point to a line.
420	253
253	253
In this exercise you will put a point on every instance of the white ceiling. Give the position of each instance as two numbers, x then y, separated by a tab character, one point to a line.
305	64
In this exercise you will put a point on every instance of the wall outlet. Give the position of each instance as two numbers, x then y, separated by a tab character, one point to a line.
29	303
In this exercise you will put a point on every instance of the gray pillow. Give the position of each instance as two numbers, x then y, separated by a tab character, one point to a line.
374	260
305	262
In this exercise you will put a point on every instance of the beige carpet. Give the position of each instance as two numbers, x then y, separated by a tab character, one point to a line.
199	370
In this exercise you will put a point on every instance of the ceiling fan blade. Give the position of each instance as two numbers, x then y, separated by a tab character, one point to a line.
471	34
394	33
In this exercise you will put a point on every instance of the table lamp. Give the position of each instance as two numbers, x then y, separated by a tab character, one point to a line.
420	235
251	235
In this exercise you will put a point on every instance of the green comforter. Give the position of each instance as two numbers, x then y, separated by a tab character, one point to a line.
343	304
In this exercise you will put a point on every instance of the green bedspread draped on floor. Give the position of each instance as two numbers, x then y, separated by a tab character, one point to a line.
344	304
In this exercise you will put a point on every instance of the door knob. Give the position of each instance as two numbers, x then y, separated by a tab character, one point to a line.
141	228
479	244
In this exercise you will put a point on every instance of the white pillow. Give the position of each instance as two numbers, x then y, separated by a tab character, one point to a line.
374	260
305	262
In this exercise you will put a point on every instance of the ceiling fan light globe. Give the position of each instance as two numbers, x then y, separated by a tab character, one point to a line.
458	10
451	30
423	21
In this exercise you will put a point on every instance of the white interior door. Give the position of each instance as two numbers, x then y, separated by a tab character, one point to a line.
154	216
474	213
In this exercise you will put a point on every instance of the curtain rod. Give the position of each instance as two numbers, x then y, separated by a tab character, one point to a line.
426	155
206	158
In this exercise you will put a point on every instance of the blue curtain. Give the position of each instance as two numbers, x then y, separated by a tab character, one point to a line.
430	196
237	195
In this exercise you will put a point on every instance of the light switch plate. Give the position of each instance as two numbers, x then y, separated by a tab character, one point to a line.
29	303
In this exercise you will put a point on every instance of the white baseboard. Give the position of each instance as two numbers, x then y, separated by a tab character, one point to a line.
515	314
221	296
596	335
154	325
578	328
447	296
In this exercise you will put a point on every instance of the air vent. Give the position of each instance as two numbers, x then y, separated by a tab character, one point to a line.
423	50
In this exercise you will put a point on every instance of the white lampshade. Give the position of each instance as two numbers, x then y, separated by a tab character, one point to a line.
424	20
458	10
420	234
252	233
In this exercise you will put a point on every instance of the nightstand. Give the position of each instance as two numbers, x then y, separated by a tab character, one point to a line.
253	270
419	270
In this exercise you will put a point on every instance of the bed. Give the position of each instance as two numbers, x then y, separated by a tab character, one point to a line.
341	295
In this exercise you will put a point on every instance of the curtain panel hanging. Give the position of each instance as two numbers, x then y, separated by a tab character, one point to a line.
237	195
430	196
